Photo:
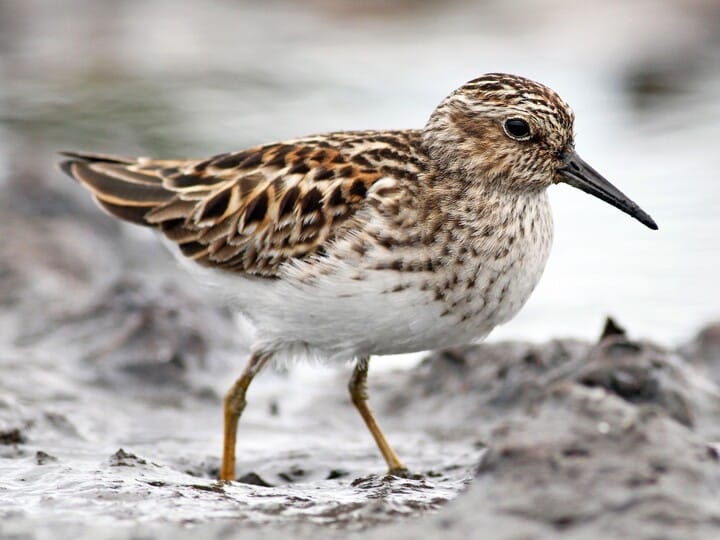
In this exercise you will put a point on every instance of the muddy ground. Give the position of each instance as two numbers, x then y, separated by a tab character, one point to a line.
113	366
113	363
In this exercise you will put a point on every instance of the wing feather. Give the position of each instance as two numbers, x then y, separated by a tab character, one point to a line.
248	211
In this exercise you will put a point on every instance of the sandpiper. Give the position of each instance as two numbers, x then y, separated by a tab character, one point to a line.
351	244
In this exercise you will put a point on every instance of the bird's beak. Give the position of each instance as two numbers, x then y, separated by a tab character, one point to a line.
579	174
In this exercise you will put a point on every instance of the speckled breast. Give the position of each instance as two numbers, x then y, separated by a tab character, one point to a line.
502	273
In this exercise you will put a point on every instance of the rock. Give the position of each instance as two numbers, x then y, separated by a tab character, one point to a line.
43	458
253	479
704	351
121	458
12	436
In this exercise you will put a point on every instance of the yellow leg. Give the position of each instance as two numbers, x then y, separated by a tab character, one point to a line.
359	395
234	405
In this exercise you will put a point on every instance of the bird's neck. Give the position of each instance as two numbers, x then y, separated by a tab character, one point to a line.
482	215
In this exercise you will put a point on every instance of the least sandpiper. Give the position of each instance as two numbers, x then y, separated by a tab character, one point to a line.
359	243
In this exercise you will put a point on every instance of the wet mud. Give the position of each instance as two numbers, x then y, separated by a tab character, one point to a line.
113	371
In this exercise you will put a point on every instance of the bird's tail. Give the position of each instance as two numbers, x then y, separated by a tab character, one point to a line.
125	187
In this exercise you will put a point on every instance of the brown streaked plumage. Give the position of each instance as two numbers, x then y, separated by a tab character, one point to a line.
252	210
350	244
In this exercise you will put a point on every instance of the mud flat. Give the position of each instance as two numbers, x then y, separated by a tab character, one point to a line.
112	370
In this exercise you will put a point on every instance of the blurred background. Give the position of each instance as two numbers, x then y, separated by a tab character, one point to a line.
186	79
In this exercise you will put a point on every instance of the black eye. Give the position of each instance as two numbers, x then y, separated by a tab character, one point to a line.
517	128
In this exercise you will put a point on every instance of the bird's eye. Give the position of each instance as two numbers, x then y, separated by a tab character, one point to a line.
517	128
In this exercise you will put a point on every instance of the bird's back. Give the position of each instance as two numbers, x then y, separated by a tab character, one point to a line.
253	210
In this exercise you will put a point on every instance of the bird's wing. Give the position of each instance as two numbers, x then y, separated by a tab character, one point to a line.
247	211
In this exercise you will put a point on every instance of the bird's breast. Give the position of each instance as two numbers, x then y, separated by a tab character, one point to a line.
500	261
368	297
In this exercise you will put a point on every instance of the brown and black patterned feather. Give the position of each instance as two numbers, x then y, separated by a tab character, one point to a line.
252	210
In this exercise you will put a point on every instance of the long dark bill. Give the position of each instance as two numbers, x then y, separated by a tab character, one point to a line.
579	174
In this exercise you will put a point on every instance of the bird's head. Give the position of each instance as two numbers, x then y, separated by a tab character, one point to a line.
515	134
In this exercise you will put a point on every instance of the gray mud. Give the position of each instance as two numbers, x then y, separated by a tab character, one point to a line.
113	363
110	401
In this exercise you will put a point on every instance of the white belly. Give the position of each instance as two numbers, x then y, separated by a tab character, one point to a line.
341	307
333	315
